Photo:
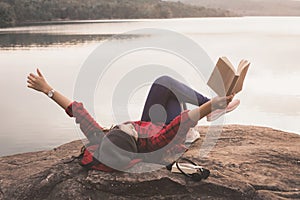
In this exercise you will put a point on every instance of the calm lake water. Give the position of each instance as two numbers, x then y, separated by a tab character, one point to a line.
30	121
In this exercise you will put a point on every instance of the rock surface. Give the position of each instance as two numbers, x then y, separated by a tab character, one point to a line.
247	162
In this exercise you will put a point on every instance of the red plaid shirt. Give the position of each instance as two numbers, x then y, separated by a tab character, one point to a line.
151	136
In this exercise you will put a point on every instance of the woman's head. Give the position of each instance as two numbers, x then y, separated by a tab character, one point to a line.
117	149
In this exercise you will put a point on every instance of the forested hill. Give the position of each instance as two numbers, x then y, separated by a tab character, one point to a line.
251	7
16	12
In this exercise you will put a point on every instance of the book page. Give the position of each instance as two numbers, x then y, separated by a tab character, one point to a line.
233	85
243	68
222	77
228	63
242	65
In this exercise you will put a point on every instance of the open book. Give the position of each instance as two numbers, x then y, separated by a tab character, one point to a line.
225	80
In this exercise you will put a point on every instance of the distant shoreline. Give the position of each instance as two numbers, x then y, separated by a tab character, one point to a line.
65	22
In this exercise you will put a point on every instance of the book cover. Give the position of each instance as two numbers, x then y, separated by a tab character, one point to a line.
225	80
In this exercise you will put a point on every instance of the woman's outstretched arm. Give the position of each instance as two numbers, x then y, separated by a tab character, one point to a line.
39	83
206	108
74	109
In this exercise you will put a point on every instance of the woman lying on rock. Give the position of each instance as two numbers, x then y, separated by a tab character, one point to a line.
156	135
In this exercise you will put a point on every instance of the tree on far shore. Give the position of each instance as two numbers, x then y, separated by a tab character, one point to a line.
7	15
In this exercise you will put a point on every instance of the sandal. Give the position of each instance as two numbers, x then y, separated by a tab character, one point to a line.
189	169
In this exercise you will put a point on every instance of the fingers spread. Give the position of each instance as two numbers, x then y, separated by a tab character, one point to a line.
32	78
30	85
39	72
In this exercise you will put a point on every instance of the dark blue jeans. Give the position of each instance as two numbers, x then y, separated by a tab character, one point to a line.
167	99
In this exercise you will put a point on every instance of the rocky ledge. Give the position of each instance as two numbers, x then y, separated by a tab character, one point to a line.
247	162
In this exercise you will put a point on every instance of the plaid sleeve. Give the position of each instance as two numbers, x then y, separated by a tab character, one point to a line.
87	123
174	132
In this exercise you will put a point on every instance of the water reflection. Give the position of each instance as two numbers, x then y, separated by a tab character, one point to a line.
16	40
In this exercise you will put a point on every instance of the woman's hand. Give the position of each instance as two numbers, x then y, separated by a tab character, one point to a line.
221	102
38	82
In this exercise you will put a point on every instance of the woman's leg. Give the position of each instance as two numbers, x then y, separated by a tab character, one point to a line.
168	93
